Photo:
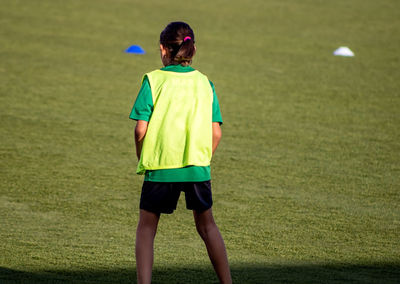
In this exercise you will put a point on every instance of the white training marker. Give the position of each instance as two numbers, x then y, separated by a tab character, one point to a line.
343	51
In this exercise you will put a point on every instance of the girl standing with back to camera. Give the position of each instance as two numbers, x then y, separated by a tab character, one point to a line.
177	131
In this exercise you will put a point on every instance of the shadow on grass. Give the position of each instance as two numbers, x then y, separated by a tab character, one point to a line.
380	273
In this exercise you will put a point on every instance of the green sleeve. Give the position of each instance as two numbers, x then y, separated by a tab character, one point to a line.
143	107
216	111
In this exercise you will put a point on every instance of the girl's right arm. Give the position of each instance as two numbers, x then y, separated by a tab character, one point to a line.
216	135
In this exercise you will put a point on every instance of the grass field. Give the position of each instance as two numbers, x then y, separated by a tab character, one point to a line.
306	179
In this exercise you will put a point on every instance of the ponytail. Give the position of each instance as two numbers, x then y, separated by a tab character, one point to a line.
178	38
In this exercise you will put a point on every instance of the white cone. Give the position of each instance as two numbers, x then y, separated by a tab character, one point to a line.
343	51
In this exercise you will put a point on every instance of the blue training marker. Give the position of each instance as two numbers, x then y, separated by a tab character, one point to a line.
135	49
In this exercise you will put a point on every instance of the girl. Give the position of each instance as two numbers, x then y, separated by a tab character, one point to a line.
177	131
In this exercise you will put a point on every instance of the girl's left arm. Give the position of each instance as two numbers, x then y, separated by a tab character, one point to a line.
140	133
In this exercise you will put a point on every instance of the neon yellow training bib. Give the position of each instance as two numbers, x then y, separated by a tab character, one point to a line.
179	133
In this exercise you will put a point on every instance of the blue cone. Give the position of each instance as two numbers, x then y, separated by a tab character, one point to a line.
135	49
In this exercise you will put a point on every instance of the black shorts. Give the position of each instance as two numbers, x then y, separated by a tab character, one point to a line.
162	197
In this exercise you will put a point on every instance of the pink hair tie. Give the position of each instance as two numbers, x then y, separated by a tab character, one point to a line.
187	38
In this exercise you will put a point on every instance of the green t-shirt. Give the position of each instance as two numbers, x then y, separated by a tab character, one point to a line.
143	109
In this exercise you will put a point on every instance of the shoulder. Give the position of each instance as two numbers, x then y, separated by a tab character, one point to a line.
205	77
200	74
151	78
151	73
154	71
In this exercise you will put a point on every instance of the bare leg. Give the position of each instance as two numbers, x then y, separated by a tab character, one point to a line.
212	238
145	234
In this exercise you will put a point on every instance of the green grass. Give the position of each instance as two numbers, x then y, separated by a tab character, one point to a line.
306	180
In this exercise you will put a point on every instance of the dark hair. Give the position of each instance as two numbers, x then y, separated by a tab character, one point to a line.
178	39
